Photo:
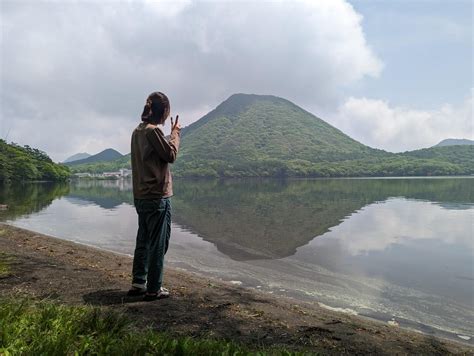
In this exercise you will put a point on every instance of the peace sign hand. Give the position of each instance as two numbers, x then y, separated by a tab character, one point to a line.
175	125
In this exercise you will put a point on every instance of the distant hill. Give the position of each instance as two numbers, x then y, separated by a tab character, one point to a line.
77	157
104	166
25	163
454	142
106	155
267	136
459	154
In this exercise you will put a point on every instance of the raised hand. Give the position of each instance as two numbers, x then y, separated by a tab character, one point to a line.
175	125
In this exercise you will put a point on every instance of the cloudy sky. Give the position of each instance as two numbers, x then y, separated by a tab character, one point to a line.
395	75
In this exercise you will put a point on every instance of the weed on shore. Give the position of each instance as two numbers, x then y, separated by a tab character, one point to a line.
46	328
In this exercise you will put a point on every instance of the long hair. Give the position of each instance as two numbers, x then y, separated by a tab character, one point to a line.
156	105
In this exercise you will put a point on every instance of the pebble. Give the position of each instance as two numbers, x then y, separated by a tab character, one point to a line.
393	323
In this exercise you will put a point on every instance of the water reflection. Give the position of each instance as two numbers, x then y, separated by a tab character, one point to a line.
107	194
412	243
400	221
255	219
25	199
269	219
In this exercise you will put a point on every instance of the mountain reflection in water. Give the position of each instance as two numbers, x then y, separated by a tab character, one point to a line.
251	218
255	219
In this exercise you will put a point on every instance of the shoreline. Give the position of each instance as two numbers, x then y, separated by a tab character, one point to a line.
269	177
200	305
407	322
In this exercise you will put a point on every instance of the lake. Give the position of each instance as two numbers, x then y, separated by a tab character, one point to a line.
398	250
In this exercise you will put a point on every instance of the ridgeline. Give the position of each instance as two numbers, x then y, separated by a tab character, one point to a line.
77	157
267	136
108	154
455	142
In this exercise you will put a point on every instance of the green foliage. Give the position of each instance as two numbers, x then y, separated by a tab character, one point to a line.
266	136
100	167
251	135
459	154
5	262
25	164
43	328
454	142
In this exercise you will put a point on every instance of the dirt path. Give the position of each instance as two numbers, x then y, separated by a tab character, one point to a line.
45	267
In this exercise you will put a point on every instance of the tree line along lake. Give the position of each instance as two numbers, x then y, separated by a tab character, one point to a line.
399	250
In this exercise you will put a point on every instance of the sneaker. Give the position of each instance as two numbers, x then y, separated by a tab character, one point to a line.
136	290
162	293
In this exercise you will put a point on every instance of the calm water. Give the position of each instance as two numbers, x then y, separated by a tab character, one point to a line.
393	249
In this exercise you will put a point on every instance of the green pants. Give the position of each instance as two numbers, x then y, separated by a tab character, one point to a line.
154	231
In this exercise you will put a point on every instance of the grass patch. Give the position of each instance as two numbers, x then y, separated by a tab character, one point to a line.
28	327
4	265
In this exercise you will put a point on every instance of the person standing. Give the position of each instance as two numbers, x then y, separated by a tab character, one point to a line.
151	155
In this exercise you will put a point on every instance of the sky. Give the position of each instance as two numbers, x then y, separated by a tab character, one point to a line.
393	74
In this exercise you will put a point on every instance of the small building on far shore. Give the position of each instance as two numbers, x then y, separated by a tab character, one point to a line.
125	172
112	174
121	173
82	175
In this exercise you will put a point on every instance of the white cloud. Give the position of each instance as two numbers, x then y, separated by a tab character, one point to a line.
72	69
400	221
378	124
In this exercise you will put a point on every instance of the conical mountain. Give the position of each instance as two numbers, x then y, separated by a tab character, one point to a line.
262	135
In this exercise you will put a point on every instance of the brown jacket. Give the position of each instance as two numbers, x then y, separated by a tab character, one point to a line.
151	154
